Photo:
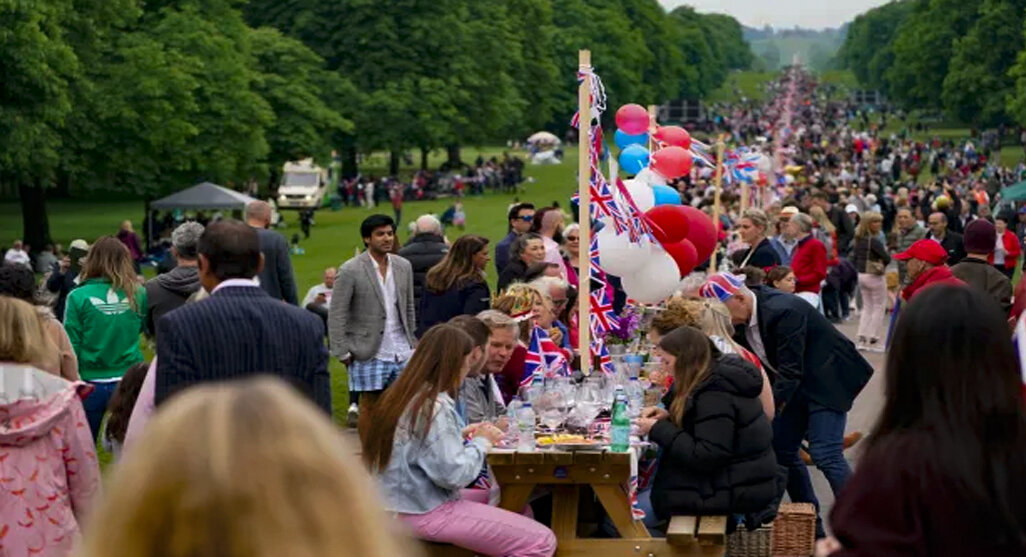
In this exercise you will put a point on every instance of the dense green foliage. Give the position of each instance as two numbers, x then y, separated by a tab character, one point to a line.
149	96
965	57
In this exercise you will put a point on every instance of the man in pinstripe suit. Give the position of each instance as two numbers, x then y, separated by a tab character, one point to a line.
240	331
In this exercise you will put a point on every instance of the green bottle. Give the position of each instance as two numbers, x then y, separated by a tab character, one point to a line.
620	428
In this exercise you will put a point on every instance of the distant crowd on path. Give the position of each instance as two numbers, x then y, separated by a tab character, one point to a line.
758	376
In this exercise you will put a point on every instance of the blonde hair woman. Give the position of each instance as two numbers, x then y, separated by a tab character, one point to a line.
103	318
871	259
49	467
245	469
526	306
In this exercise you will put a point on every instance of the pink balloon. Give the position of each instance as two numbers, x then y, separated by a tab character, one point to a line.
672	162
632	119
701	232
685	254
673	136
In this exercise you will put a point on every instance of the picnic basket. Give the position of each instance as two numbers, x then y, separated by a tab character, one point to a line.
794	530
750	543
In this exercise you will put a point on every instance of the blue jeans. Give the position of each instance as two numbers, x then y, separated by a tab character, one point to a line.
824	428
95	404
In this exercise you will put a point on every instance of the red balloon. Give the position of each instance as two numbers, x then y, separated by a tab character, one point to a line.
671	223
632	119
701	233
685	254
671	162
673	136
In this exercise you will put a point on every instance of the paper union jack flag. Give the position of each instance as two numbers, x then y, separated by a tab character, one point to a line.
637	228
543	355
596	272
600	354
603	318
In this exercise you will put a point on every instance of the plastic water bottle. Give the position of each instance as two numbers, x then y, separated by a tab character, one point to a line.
635	398
620	428
525	427
512	429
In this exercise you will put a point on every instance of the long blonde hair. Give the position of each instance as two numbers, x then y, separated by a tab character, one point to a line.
23	336
110	259
694	353
243	469
820	216
868	218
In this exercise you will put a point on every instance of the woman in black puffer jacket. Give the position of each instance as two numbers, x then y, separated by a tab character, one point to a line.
717	454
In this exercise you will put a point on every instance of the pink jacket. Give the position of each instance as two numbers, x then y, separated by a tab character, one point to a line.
49	475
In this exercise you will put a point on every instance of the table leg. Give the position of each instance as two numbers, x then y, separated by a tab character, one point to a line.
515	497
616	503
564	512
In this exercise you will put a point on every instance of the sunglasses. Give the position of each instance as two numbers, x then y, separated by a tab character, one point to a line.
526	218
559	302
572	238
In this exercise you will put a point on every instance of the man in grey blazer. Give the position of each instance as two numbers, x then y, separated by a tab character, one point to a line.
371	318
276	278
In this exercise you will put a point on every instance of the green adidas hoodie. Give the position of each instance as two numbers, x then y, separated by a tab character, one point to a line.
103	328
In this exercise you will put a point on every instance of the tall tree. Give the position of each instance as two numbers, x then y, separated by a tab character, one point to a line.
868	46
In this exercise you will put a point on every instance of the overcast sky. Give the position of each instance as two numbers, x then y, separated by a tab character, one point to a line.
815	14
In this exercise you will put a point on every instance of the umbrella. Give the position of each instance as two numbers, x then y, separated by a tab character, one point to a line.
544	138
1015	192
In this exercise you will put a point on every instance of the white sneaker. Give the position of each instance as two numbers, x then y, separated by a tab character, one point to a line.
876	346
354	415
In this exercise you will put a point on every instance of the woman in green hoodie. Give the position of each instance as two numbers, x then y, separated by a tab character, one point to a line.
104	317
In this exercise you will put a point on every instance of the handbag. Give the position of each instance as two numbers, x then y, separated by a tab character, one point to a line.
875	268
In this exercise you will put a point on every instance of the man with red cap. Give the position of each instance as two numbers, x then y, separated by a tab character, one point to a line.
926	267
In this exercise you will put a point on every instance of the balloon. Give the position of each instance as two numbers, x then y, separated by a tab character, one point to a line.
665	195
632	119
655	280
650	177
633	159
672	223
673	135
672	162
623	139
617	255
701	232
764	164
642	195
684	254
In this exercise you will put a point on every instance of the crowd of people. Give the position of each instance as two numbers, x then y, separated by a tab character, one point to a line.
224	443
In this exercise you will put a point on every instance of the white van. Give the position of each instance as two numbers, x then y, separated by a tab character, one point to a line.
303	185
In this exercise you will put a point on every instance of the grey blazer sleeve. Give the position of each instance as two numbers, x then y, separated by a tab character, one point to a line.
411	312
284	271
338	312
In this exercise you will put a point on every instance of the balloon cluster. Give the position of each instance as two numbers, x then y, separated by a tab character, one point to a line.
684	236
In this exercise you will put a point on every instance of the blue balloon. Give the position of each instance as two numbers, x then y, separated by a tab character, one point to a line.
665	195
624	140
633	159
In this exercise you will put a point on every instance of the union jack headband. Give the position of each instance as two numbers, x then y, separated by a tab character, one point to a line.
721	286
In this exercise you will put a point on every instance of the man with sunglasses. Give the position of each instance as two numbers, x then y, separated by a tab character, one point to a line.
520	218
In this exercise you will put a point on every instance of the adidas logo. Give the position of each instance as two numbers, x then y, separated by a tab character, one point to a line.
112	305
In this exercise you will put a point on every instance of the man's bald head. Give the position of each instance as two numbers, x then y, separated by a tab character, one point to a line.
427	224
258	214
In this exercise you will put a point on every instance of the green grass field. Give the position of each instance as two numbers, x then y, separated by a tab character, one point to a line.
335	235
741	85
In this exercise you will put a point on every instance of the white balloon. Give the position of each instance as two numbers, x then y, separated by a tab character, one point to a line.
650	177
656	280
641	193
617	255
765	164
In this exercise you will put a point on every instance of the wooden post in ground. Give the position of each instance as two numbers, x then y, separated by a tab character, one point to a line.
716	201
584	210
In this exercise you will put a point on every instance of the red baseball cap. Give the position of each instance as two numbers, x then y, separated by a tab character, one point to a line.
925	250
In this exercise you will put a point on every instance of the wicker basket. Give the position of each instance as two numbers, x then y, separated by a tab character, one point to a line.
794	530
750	543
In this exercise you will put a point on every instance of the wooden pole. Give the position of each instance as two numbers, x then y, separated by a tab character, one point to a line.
716	200
652	126
584	210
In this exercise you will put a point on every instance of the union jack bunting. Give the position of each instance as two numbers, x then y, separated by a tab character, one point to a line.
596	272
637	228
602	314
600	355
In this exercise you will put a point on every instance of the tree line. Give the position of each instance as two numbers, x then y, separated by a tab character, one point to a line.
963	57
150	96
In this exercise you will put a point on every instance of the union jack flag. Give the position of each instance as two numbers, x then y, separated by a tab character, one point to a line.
603	318
543	356
637	227
600	354
596	272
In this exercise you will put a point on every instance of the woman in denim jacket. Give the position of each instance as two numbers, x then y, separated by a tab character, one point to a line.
416	446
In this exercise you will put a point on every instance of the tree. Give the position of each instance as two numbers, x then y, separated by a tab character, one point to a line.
978	83
867	48
534	70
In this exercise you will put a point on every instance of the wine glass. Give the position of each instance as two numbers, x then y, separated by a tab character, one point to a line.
553	409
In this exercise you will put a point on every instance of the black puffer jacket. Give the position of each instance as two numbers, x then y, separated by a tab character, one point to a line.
423	251
721	462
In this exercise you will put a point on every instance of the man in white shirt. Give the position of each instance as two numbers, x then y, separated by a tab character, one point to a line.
17	255
371	317
318	298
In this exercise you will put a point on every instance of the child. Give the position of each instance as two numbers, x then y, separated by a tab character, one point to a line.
121	404
459	216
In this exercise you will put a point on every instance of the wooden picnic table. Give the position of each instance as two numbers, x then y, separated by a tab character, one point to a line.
518	473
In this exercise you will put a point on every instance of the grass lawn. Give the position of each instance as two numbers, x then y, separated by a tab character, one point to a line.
745	84
335	236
